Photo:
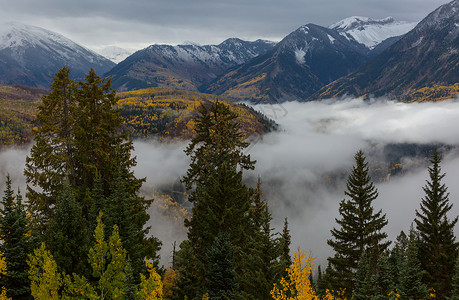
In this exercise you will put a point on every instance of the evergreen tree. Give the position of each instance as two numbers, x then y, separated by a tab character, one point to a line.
364	283
188	285
360	229
438	247
221	281
17	244
285	241
383	279
221	200
264	267
102	148
67	235
410	285
398	256
125	210
51	158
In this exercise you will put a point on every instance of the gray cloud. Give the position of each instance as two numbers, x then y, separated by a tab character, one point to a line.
143	22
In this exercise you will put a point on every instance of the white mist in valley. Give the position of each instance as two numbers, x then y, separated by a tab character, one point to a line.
304	166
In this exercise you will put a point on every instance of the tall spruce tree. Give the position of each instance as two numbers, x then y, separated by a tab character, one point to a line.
17	244
360	228
214	178
438	247
51	158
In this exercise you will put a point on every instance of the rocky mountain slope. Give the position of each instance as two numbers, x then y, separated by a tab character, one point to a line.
31	55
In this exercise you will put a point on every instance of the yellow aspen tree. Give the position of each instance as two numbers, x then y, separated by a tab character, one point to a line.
150	288
44	277
298	286
108	261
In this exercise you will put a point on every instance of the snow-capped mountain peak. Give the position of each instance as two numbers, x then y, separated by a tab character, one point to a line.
371	32
30	55
115	54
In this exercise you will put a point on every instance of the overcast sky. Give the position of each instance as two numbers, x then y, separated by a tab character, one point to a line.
139	23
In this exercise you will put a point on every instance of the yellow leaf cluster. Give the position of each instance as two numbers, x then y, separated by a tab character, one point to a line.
298	286
151	288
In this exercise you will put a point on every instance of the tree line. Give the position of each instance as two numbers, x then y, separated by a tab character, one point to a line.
82	232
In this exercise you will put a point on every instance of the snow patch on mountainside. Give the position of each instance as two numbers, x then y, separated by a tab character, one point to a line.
299	56
371	32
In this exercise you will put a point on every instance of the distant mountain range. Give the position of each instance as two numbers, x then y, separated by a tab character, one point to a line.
356	56
31	55
184	67
425	58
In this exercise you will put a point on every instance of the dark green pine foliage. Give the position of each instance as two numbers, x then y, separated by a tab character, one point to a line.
67	235
130	291
455	282
318	287
263	264
188	281
214	178
17	244
102	148
51	158
79	135
438	247
410	284
360	228
364	279
323	281
383	283
285	242
221	281
127	211
398	256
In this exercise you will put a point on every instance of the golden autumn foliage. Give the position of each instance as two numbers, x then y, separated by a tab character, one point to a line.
298	286
18	113
432	94
170	113
161	111
169	282
3	272
44	277
150	288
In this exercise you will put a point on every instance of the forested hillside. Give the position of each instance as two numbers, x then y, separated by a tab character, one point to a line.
155	112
